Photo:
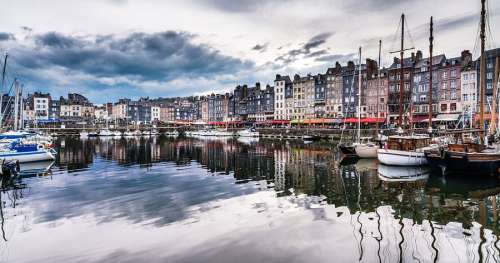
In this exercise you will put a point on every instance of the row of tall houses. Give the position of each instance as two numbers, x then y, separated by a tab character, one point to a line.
332	95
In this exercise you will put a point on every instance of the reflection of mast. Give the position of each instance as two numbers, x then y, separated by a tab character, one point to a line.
2	219
379	239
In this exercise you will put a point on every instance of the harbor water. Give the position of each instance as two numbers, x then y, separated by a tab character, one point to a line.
159	199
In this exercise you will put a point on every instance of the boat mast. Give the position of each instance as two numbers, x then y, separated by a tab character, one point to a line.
359	97
378	83
481	72
3	88
497	71
401	81
16	104
431	39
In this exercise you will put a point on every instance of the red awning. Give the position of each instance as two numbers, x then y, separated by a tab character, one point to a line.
365	120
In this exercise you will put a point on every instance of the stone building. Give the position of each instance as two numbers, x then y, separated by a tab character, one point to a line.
421	85
376	95
334	85
282	84
393	101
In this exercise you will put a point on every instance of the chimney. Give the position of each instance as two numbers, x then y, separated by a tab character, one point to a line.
466	57
278	76
413	56
337	65
419	55
395	60
257	85
350	65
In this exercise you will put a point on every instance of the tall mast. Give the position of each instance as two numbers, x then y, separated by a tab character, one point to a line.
359	97
3	88
431	39
401	81
16	104
482	68
378	83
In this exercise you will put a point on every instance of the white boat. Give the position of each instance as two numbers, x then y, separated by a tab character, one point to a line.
222	133
402	174
84	135
137	133
154	132
366	148
14	134
105	133
175	133
404	151
248	140
117	133
248	133
27	153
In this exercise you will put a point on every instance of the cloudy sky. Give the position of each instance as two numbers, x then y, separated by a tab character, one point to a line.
108	49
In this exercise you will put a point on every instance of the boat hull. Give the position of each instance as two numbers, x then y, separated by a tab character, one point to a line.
366	151
26	157
348	150
401	158
476	163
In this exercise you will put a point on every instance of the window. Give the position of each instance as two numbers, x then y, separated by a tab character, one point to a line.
453	73
490	65
466	76
489	75
465	97
453	84
445	74
444	107
444	85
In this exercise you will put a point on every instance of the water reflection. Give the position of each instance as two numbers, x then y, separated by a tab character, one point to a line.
287	197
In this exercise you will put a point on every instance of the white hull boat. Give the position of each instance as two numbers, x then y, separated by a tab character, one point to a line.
248	133
401	158
366	150
28	153
84	135
128	134
117	134
176	133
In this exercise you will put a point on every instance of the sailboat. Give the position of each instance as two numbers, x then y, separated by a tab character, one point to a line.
363	148
467	157
404	150
349	151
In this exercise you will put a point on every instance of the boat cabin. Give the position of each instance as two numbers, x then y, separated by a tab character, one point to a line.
407	143
466	147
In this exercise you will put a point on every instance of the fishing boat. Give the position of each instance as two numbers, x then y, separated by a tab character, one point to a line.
26	153
222	133
252	132
405	150
473	158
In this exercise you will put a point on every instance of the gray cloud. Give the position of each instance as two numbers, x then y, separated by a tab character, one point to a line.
306	49
374	5
342	58
261	48
6	36
239	6
157	56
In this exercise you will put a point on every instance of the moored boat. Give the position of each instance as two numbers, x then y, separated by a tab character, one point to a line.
248	133
27	153
105	133
405	150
